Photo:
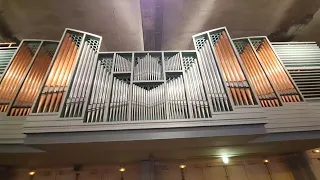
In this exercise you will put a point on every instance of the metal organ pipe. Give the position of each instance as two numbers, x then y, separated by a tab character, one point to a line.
222	71
195	88
301	59
53	83
79	83
240	88
68	84
267	95
6	54
23	102
98	107
16	72
275	70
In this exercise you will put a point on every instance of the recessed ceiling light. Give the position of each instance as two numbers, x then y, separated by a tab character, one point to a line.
316	151
122	169
31	173
182	166
266	161
225	159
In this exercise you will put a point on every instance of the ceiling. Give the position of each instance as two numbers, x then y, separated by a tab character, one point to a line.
133	25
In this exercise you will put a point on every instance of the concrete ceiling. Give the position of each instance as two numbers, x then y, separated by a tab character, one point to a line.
159	24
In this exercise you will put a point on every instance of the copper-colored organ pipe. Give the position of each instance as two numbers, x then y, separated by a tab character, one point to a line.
228	75
277	73
11	80
258	78
31	85
235	78
52	76
66	77
55	84
14	74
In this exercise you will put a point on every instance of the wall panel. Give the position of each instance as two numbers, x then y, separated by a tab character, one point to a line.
45	176
66	176
280	171
165	173
237	172
214	172
193	173
257	171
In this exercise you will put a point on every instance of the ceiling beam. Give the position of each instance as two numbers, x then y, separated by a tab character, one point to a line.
152	20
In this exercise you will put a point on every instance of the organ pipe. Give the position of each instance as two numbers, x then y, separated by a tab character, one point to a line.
67	80
275	70
265	91
28	91
301	59
16	72
216	50
6	54
72	80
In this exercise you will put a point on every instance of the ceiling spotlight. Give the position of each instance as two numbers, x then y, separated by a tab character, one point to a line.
182	166
31	173
122	169
266	161
316	151
225	159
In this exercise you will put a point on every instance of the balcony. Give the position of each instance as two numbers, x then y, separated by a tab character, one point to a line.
71	87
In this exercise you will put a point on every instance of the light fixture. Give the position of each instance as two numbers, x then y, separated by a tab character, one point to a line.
31	173
316	151
266	161
225	159
122	169
182	166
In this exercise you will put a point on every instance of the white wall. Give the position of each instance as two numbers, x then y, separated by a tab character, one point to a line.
246	169
289	167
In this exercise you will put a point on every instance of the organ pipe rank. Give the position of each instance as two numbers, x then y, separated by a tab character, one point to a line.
71	79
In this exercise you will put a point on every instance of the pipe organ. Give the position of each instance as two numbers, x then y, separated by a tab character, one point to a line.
72	80
148	87
79	89
175	71
275	70
22	103
6	54
302	60
195	92
66	84
98	106
264	88
19	83
217	46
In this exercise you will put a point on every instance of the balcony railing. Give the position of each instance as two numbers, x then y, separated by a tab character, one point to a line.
71	86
